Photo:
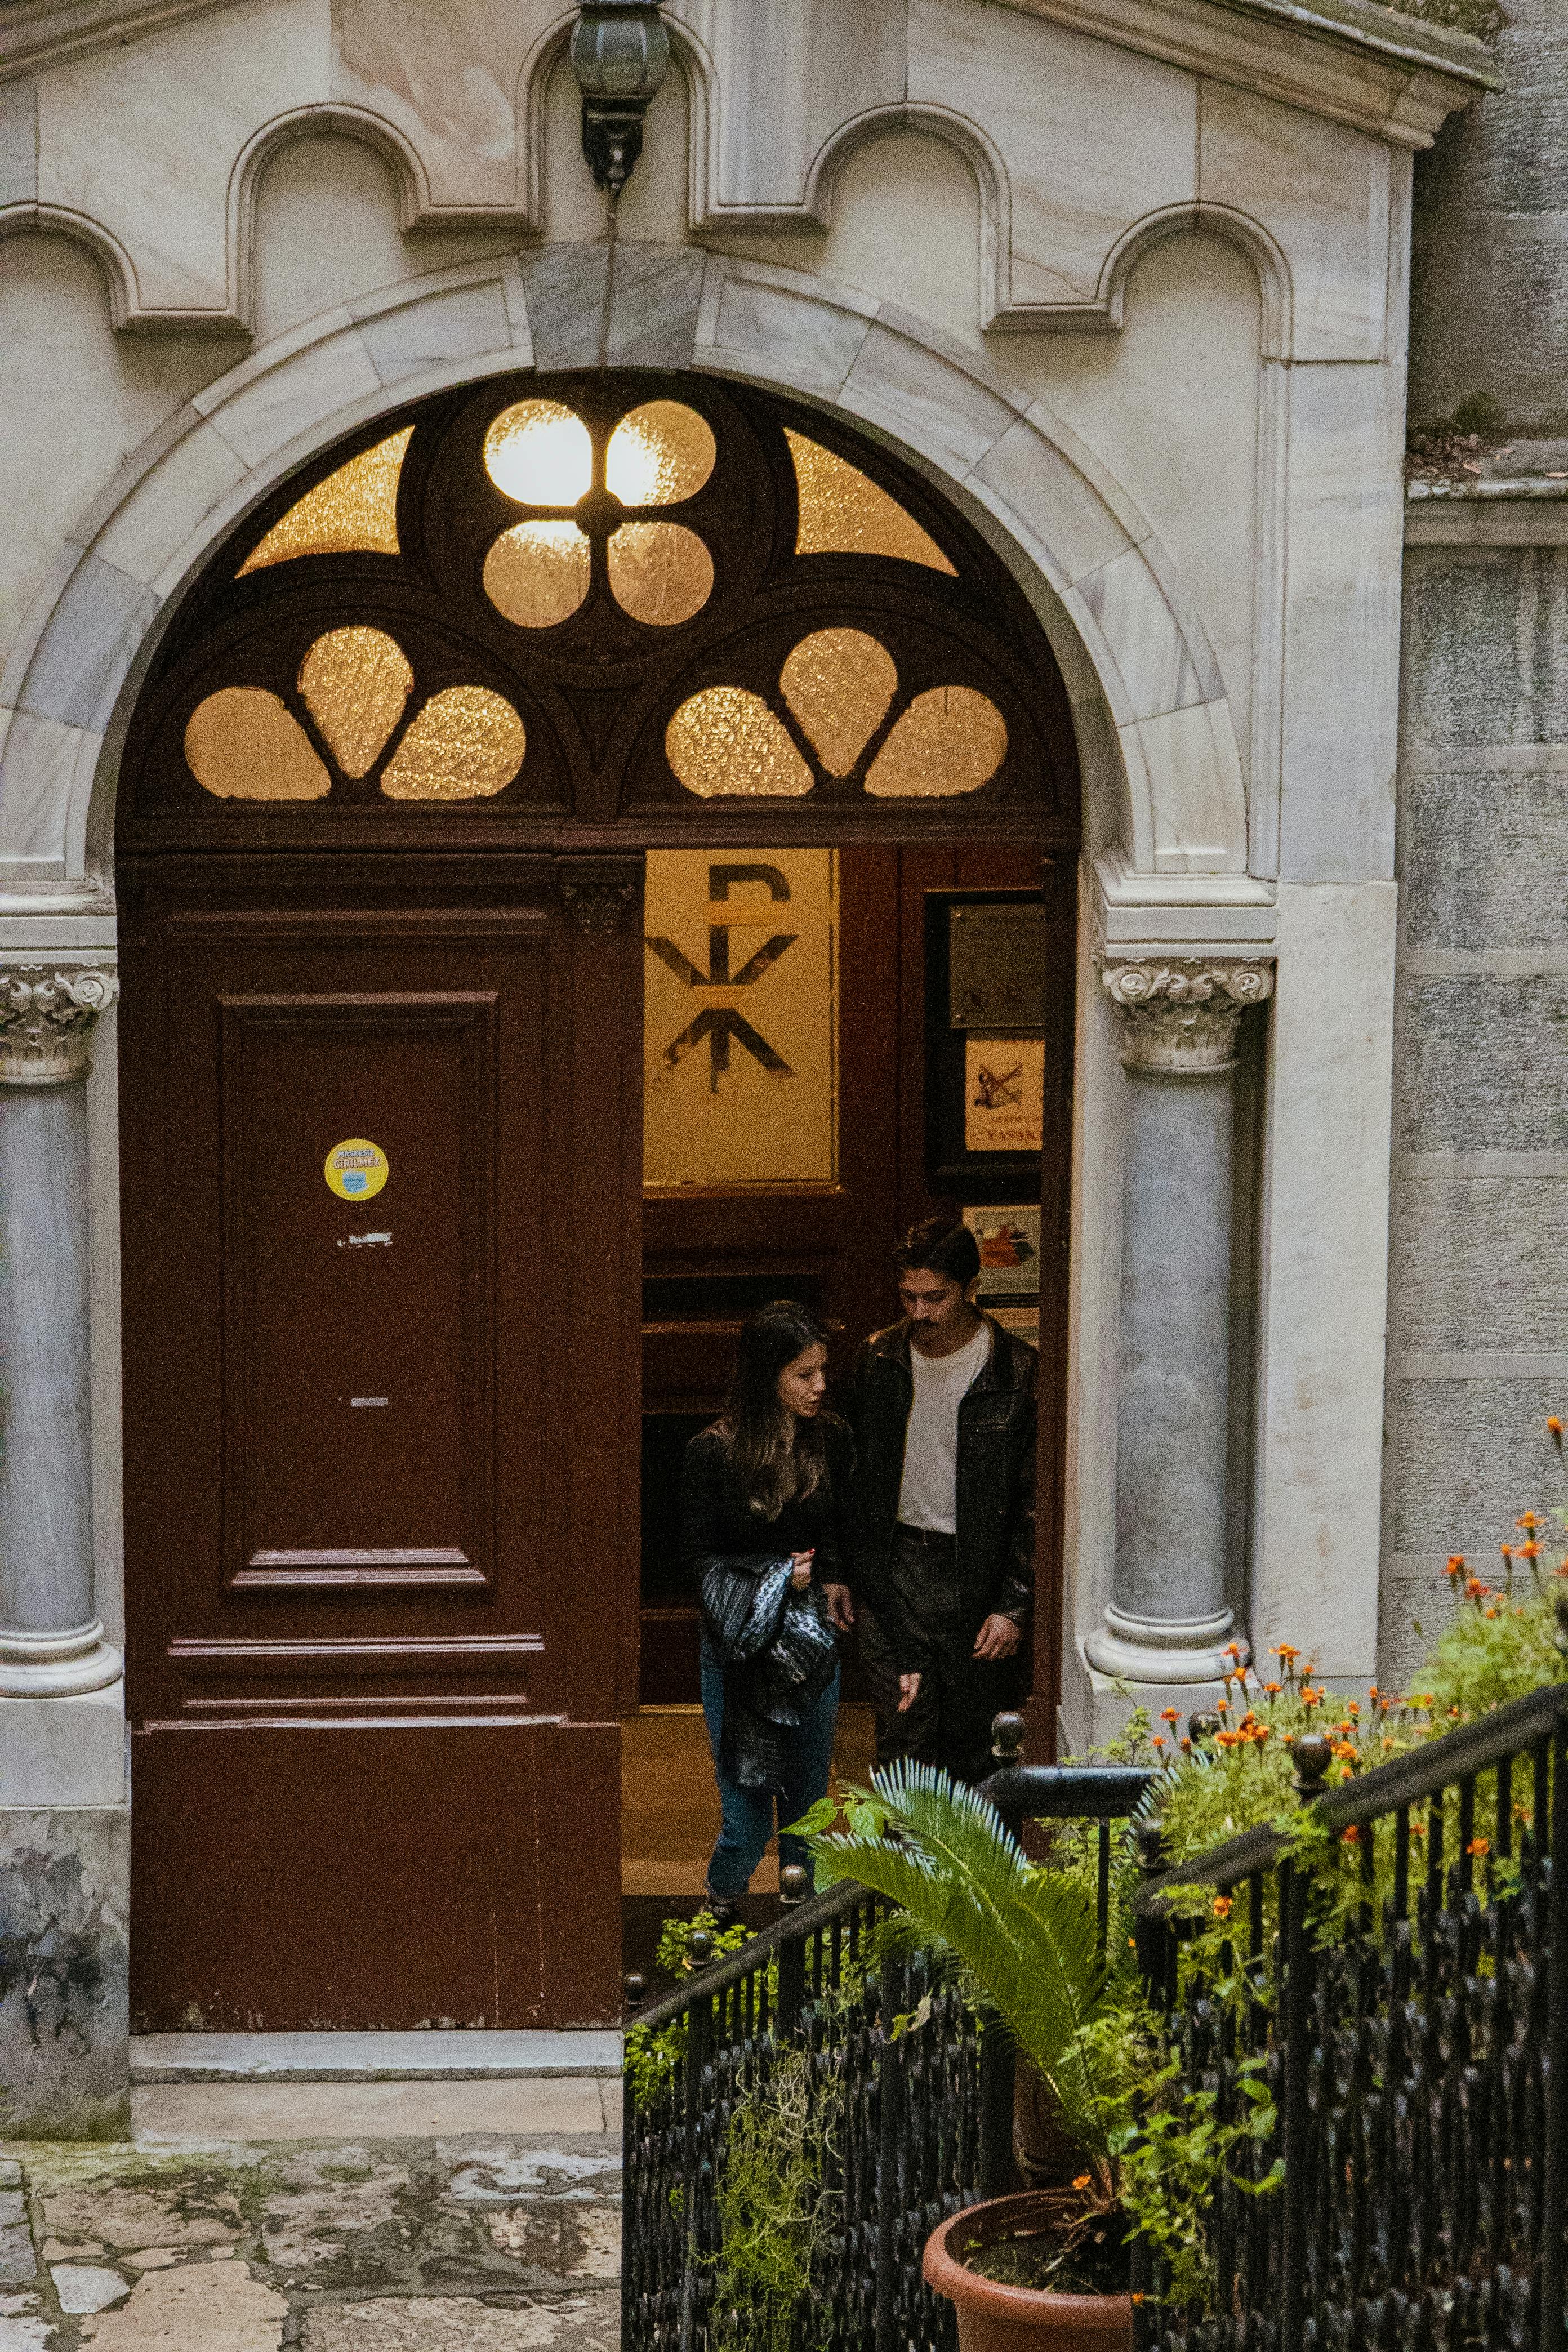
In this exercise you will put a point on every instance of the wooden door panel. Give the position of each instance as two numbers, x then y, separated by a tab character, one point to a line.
364	1698
364	1876
358	1372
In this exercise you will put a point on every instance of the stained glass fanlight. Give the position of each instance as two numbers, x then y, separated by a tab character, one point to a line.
831	638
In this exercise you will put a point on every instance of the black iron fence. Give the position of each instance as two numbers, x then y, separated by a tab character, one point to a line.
914	2097
1415	2040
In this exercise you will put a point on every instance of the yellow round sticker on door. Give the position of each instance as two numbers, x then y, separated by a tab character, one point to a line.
356	1169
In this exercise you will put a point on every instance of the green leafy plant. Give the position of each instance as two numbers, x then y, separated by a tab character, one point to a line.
653	2052
1021	1936
775	2212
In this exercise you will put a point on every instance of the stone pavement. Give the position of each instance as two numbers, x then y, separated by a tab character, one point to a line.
381	2217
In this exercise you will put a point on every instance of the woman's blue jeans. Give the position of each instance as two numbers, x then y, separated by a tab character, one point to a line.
748	1812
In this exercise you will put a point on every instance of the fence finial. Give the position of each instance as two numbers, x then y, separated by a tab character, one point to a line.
1312	1755
636	1990
794	1884
1202	1729
699	1951
1007	1738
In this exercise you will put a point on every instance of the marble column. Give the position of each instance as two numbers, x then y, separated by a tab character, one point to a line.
1167	1621
51	1642
64	1818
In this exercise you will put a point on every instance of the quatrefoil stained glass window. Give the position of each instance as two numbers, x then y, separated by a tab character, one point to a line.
587	596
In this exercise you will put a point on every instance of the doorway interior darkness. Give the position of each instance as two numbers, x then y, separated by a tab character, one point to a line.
385	802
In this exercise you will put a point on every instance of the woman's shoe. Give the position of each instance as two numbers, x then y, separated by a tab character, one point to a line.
724	1910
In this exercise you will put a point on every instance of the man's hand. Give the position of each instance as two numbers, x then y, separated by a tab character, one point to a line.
840	1606
800	1569
909	1691
998	1638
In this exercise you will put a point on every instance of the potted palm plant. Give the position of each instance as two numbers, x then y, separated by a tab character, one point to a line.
1049	2266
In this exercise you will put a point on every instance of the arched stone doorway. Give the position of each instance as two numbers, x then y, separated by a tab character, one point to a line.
385	797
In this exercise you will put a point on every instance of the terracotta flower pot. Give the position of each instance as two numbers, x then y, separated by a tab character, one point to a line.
996	2319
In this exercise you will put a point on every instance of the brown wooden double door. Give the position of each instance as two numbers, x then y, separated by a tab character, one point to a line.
380	1448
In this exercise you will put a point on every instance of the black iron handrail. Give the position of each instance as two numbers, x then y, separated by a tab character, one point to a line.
1416	2053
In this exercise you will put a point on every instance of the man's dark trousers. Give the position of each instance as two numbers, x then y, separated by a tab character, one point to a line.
950	1722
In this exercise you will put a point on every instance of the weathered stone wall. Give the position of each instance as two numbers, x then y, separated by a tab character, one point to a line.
1477	1305
1490	252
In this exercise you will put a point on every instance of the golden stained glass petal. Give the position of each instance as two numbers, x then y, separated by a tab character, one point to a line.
243	744
844	513
659	572
355	682
537	574
949	740
539	454
465	744
838	683
660	453
353	512
727	741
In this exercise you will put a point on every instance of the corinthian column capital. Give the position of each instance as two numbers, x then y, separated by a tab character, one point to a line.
1180	1014
47	1012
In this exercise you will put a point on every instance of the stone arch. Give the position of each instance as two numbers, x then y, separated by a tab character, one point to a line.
1161	771
58	220
1241	230
325	120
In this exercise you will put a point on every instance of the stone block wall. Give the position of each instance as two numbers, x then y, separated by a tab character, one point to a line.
1478	1300
1490	257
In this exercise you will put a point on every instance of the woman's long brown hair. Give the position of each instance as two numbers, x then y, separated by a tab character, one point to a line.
774	1456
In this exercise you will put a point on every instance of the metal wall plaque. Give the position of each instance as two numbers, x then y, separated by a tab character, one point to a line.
996	965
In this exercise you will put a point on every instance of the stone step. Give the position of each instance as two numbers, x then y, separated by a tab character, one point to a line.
433	2056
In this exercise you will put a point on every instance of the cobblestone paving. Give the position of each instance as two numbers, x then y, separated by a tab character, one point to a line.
469	2245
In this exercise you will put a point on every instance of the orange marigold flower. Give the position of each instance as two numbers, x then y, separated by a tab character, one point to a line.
1351	1836
1158	1740
1082	2181
1273	1689
1187	1746
1417	1829
1555	1427
1531	1550
1479	1846
1284	1650
1170	1714
1352	1709
1456	1563
1489	1613
1223	1907
1525	1520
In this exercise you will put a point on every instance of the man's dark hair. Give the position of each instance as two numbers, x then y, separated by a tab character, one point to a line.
937	1245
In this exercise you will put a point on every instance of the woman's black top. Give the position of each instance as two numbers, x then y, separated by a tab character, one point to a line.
775	1645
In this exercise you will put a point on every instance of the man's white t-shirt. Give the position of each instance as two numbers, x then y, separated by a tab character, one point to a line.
928	1495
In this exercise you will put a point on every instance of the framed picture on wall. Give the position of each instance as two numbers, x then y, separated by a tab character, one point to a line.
1009	1242
1024	1322
984	1039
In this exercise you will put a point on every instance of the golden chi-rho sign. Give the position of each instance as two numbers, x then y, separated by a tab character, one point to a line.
741	1017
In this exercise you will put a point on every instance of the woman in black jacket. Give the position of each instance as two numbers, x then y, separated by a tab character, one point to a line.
763	1497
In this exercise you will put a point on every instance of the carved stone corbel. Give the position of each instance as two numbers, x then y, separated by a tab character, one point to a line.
46	1016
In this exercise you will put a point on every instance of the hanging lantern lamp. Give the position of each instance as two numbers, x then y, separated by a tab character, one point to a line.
620	53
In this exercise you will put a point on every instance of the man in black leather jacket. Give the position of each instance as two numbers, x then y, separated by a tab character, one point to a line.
941	1521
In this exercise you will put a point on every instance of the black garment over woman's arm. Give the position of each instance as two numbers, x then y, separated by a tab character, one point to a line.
742	1594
